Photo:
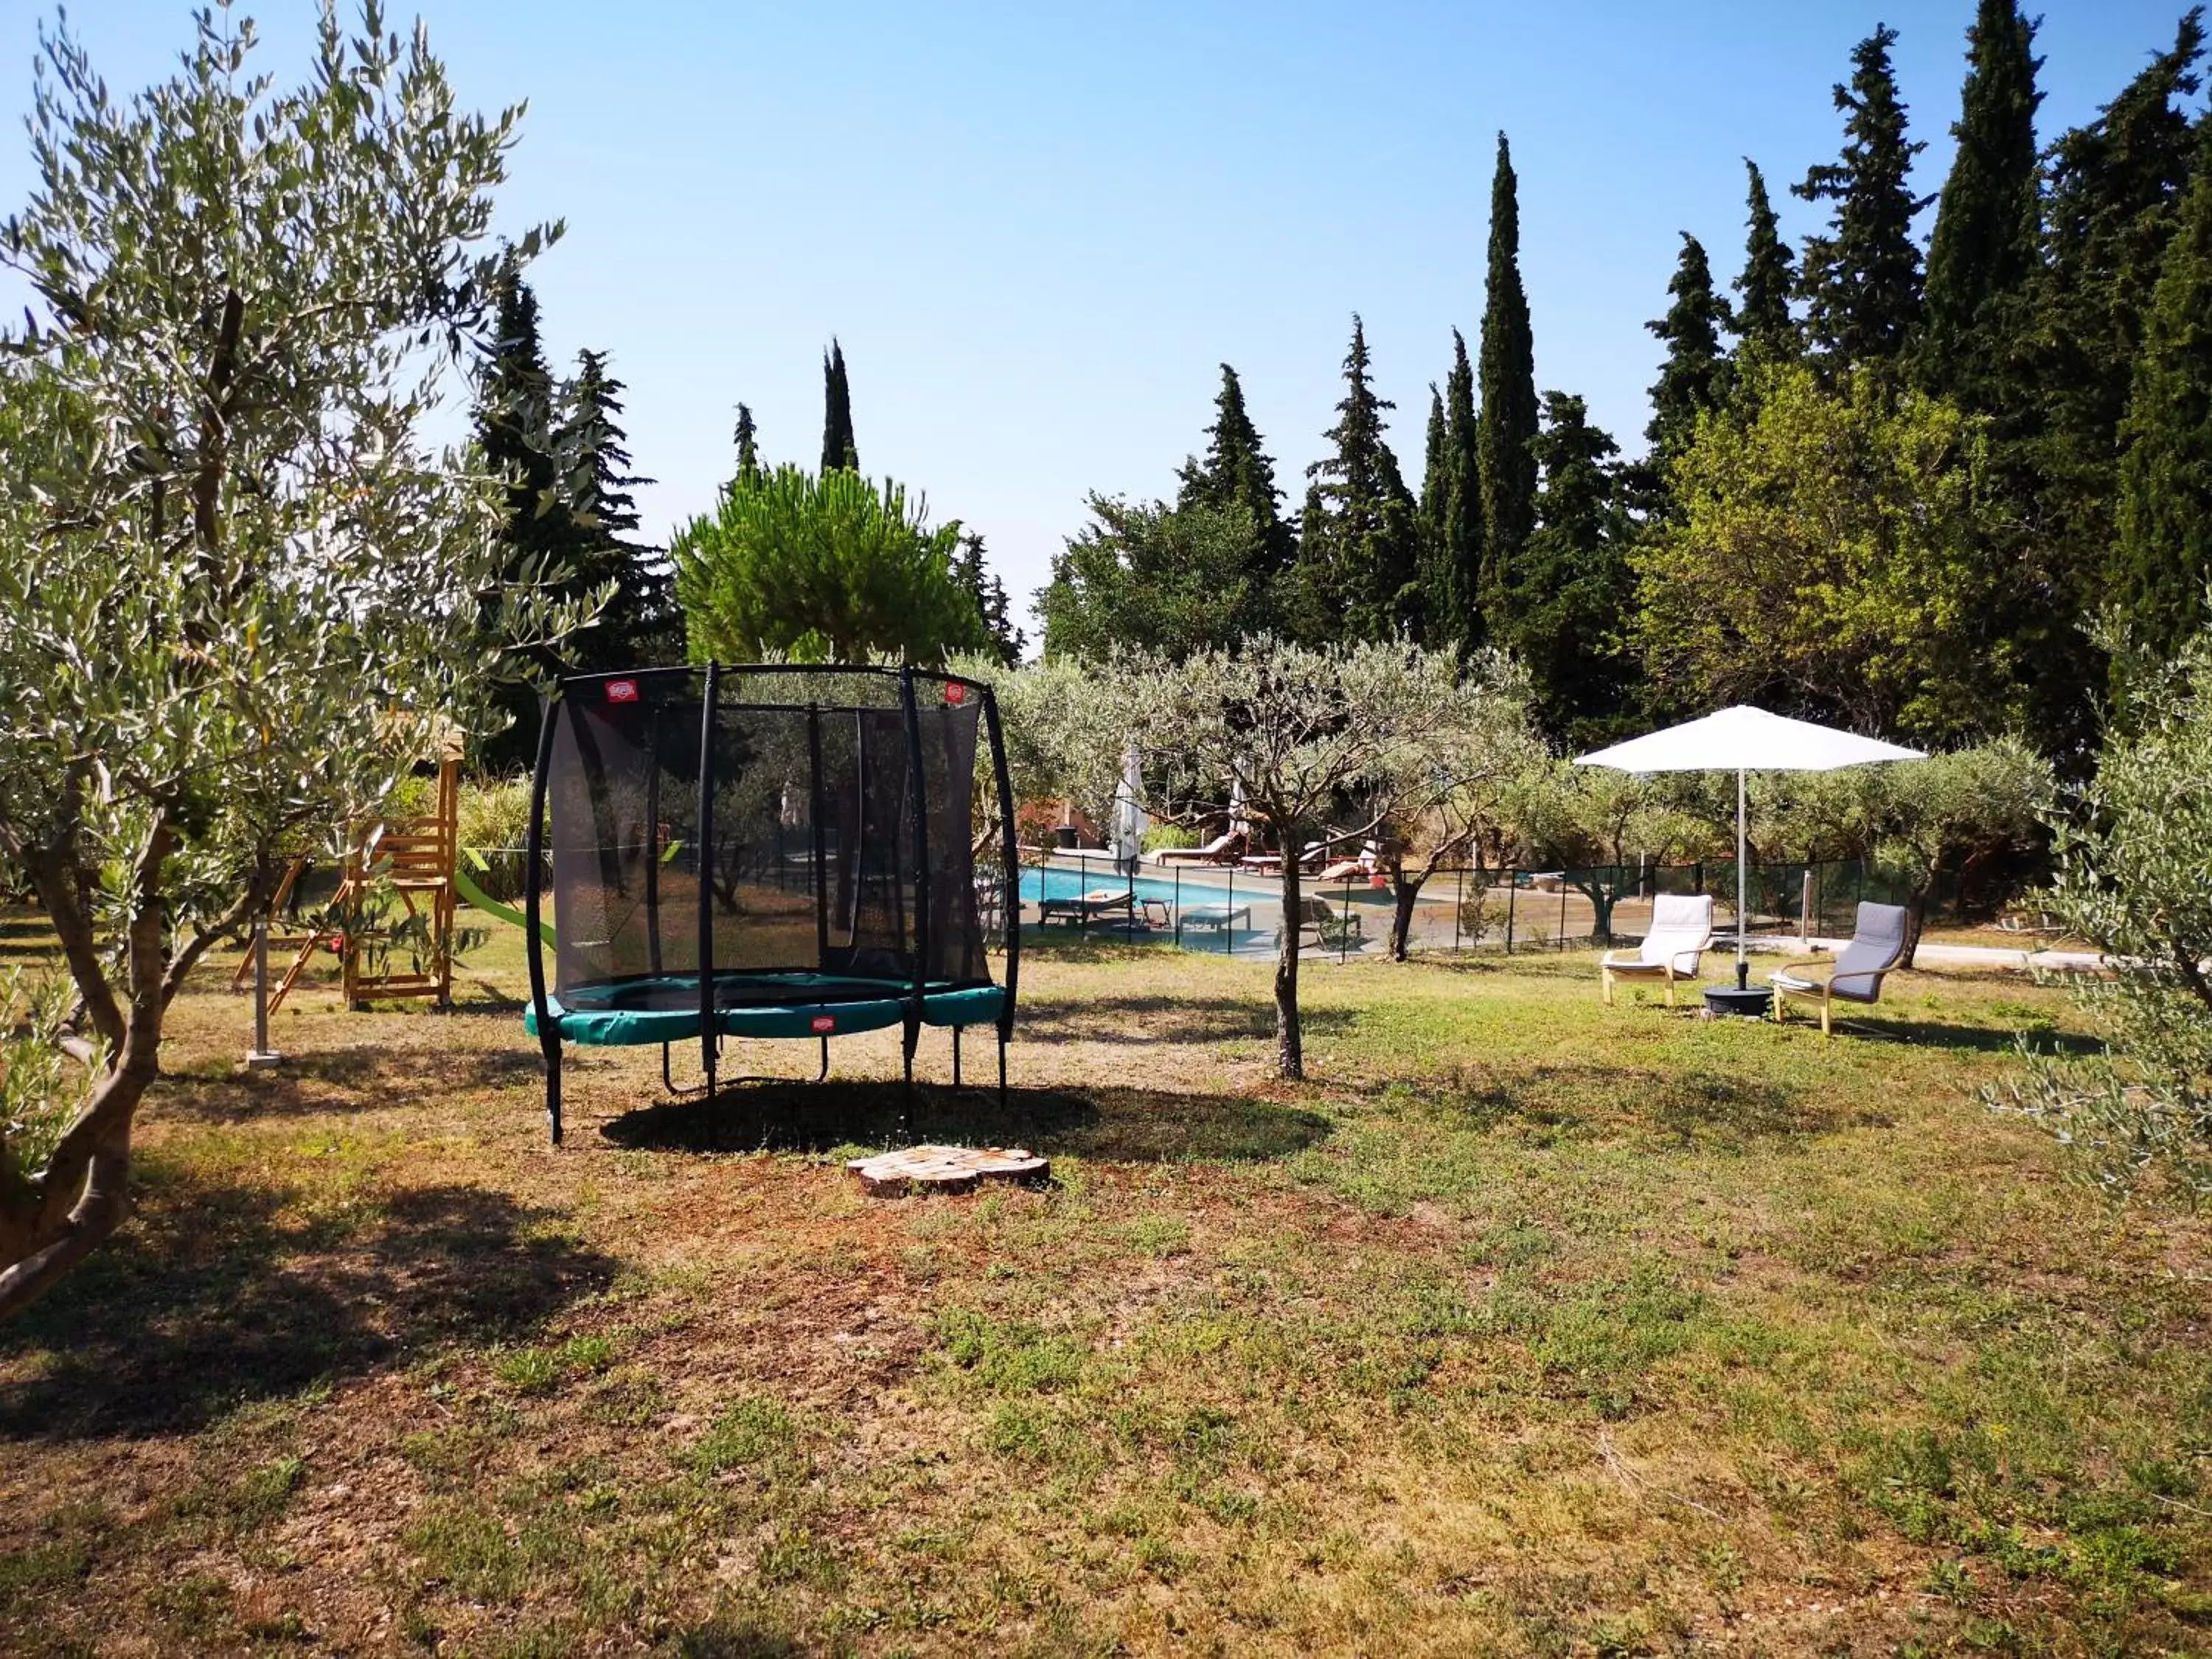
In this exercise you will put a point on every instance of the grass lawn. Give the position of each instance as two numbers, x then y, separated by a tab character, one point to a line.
1527	1327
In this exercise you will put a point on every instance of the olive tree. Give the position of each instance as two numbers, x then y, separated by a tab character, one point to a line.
1964	805
2133	854
1381	728
1599	825
238	597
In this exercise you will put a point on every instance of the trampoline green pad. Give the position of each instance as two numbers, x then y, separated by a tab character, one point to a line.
666	1009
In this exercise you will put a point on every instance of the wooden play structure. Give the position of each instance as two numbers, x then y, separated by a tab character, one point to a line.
411	860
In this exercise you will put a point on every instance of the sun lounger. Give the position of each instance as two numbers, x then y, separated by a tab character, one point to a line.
1215	918
1094	906
1222	850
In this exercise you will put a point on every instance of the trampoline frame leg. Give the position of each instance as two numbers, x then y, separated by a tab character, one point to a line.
552	1048
956	1056
713	1105
824	1072
1002	1073
906	1097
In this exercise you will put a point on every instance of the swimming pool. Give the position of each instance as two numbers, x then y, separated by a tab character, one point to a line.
1056	883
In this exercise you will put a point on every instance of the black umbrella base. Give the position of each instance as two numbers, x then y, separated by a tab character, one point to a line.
1748	1002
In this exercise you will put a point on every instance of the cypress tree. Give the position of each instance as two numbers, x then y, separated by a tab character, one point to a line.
639	627
1693	380
1358	559
748	442
1237	471
1439	603
1861	281
1988	218
1577	585
837	447
1763	320
1508	422
2164	553
1460	616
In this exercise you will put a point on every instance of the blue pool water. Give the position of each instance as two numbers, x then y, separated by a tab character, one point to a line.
1074	884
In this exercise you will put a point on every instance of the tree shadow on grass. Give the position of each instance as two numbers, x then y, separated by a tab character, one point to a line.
1702	1110
367	1079
218	1295
1131	1125
1946	1034
1167	1019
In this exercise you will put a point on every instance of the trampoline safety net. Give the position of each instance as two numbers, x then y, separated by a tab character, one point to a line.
828	858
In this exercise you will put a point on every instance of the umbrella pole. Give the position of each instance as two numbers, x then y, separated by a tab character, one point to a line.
1742	966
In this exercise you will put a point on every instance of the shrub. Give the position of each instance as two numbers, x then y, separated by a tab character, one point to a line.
495	825
1162	836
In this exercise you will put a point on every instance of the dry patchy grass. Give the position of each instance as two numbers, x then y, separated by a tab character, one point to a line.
1527	1327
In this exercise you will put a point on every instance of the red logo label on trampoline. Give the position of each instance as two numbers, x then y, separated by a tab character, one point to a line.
955	693
824	1023
622	691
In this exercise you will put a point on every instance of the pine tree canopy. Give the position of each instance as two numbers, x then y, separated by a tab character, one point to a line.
1861	281
1238	471
2165	556
981	584
1763	318
837	447
1508	422
1359	557
1988	220
1693	380
513	418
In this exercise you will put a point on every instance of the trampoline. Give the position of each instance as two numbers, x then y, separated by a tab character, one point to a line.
767	851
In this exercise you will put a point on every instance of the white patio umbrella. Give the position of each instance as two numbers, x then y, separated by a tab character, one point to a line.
1742	740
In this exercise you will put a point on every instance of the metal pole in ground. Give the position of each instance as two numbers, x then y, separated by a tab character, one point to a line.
261	1053
1805	913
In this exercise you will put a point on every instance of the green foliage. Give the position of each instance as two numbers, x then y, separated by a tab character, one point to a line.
1149	577
2134	880
41	1088
1861	281
1693	380
2164	553
747	439
993	610
639	627
1451	508
1963	804
1359	552
1577	587
1237	472
827	569
1762	315
838	449
240	597
495	826
1820	559
1507	426
1988	220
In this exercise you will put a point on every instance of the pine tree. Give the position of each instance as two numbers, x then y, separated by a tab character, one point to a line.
837	447
2110	209
1693	380
1455	607
1007	643
1764	324
2164	554
1575	586
1358	559
515	415
1508	424
748	442
1237	471
1861	281
1988	219
639	627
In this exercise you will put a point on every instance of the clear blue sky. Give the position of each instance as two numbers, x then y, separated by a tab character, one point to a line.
1038	229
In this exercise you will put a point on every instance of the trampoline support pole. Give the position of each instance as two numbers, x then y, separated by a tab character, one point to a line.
956	1056
1002	1071
824	1072
906	1098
